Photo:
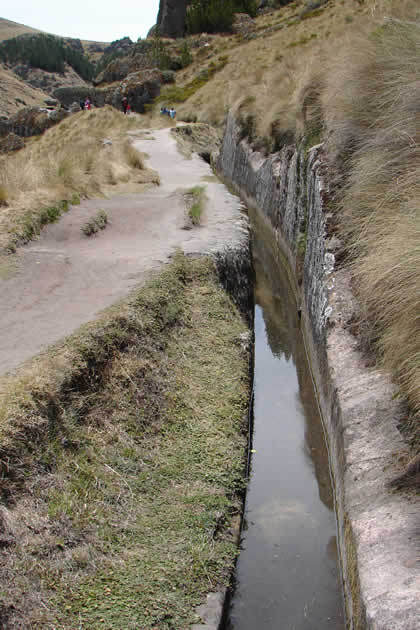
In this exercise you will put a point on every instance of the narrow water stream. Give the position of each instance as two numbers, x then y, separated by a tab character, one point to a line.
287	575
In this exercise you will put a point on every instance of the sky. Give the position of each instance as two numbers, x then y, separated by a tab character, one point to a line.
97	20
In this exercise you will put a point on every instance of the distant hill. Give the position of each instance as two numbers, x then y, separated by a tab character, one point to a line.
10	29
16	93
26	85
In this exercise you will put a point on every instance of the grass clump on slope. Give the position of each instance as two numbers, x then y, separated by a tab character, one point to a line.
123	449
97	223
195	200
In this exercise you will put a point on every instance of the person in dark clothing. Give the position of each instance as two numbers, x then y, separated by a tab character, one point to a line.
125	104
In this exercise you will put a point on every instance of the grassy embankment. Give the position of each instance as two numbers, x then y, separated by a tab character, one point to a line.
346	73
122	456
87	154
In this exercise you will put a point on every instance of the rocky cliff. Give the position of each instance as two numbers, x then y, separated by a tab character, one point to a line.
377	526
171	18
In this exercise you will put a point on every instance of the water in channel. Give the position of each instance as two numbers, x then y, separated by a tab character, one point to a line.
287	575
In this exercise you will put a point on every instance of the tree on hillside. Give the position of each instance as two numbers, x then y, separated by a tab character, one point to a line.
215	16
47	53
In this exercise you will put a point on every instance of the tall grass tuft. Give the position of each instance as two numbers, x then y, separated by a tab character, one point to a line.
372	116
196	200
134	158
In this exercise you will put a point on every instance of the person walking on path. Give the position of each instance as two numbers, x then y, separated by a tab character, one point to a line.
125	104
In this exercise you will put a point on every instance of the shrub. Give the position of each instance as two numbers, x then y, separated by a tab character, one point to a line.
98	222
158	54
248	126
215	16
186	56
168	76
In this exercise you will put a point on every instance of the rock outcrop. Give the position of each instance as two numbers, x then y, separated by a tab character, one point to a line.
31	121
171	18
139	87
243	24
48	81
119	47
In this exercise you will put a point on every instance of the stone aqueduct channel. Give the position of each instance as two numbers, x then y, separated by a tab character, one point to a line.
64	279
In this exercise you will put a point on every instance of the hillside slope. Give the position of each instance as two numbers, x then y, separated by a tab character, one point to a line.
9	29
23	85
16	93
345	73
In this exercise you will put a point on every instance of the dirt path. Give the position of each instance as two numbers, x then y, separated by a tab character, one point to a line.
65	279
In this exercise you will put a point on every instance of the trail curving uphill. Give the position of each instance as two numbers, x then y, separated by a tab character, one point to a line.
65	279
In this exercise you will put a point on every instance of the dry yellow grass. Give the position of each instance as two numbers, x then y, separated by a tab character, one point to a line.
9	29
87	154
372	118
16	94
348	74
267	73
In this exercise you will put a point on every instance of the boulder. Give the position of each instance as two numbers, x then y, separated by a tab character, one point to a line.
243	24
10	143
171	18
119	46
69	95
137	57
116	70
140	88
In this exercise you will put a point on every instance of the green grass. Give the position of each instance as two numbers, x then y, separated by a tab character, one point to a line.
195	200
137	475
179	94
94	225
302	41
